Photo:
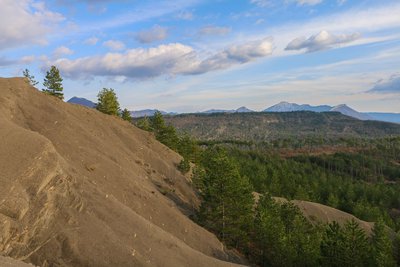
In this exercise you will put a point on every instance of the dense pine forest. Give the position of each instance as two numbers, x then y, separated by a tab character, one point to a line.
238	181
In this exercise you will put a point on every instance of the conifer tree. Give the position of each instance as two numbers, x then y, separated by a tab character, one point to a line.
31	78
107	102
356	247
126	115
227	198
53	83
382	246
332	246
144	124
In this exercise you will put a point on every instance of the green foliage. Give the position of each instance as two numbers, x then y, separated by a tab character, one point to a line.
282	130
396	249
31	78
166	134
318	179
107	102
188	148
332	246
382	247
53	83
356	248
283	236
227	203
144	124
126	115
184	166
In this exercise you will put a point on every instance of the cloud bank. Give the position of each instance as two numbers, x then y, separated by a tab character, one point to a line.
321	41
29	24
391	85
157	33
214	30
169	60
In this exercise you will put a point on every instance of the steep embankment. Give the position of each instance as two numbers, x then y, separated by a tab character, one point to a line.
80	188
319	213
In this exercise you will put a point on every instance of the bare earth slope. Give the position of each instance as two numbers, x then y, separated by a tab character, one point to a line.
319	213
80	188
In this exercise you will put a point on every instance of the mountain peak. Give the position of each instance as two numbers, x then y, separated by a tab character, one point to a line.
348	111
243	109
81	101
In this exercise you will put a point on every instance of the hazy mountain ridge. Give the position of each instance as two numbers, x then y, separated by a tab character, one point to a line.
286	107
82	101
266	126
280	107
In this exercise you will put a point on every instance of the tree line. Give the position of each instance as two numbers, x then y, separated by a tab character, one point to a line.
270	233
107	100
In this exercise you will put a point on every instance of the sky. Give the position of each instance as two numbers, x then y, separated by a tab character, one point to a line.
194	55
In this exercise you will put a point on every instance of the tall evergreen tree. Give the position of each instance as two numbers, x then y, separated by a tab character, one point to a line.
356	247
283	235
227	199
31	78
144	124
332	246
126	115
107	102
53	83
382	246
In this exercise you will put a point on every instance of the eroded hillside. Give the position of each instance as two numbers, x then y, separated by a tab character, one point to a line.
80	188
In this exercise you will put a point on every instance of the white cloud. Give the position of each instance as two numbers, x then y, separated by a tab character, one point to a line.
114	45
185	15
157	33
269	3
172	59
62	51
385	86
308	2
261	3
321	41
27	59
91	41
214	30
25	22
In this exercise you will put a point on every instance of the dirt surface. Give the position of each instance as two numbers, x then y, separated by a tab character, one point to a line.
81	188
9	262
319	213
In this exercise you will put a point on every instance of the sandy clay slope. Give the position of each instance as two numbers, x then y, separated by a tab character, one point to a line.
80	188
319	213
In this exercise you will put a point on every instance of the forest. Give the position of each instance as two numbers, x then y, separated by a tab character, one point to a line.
238	180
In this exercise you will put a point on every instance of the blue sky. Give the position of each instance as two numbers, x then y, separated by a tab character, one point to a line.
193	55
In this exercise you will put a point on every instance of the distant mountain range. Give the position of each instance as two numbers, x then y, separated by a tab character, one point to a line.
287	107
149	113
280	107
344	109
239	110
82	101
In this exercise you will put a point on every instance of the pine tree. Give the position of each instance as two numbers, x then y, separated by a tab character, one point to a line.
227	199
269	233
107	102
382	246
332	246
144	124
31	78
126	115
157	123
356	247
53	83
